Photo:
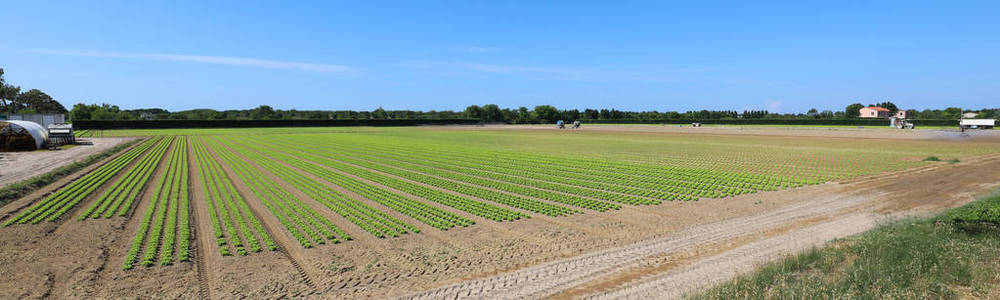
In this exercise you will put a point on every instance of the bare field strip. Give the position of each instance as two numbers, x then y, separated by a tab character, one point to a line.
431	212
18	166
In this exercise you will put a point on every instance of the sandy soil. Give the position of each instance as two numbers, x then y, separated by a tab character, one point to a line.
635	252
684	260
18	166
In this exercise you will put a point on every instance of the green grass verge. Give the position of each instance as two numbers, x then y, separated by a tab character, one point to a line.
942	257
18	189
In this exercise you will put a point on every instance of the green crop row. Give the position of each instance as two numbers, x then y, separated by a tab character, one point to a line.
225	203
427	214
304	223
564	198
367	218
123	193
455	186
59	203
471	206
588	169
158	232
584	175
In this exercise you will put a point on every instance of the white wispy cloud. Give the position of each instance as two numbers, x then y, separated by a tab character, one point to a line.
219	60
556	73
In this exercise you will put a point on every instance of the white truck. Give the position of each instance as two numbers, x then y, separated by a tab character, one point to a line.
964	124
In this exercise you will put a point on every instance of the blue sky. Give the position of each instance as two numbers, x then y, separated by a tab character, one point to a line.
781	56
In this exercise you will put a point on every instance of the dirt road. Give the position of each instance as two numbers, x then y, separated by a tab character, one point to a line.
18	166
710	253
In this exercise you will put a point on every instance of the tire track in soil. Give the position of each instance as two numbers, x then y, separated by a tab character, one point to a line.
433	233
542	280
374	244
717	268
128	226
201	229
281	237
857	201
500	269
479	220
341	222
562	221
408	268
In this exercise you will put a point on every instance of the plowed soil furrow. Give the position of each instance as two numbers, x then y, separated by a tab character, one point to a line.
851	208
554	277
287	245
324	211
77	210
203	254
373	246
118	246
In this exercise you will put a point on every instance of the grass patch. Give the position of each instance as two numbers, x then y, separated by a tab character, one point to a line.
18	189
932	158
935	257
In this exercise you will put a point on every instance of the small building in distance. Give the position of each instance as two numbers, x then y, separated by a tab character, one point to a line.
970	115
880	112
873	112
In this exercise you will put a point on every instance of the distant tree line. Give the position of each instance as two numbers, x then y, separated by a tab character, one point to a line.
13	100
108	112
33	101
489	113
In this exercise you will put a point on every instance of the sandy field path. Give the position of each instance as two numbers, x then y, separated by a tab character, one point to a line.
18	166
709	253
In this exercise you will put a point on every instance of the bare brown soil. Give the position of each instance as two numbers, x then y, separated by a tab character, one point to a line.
18	166
663	251
791	131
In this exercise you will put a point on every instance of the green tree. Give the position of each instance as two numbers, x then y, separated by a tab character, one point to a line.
474	112
79	112
524	116
853	110
492	113
262	112
546	114
7	94
39	102
380	114
952	113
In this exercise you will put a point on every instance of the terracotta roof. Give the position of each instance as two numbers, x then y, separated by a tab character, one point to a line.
878	108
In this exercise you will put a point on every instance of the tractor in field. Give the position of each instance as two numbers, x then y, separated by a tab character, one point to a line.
900	123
